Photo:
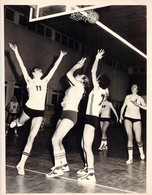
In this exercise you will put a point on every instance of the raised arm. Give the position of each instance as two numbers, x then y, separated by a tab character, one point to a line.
114	111
122	109
52	71
75	67
20	61
94	68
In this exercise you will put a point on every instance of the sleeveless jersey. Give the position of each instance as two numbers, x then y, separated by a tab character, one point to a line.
37	94
72	97
95	101
105	110
133	111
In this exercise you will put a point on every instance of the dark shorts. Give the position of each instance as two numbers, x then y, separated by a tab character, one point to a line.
33	113
105	119
69	114
132	119
92	120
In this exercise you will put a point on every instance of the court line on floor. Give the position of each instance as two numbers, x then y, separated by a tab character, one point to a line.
29	170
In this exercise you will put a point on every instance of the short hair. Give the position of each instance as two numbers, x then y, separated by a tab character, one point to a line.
104	80
86	81
33	70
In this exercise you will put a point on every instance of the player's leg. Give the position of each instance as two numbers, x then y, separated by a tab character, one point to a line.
103	144
137	130
36	123
58	149
88	136
85	169
128	127
20	121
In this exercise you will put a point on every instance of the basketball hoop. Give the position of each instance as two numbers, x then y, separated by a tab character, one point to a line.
90	15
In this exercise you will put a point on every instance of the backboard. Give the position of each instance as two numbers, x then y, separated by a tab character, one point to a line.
45	11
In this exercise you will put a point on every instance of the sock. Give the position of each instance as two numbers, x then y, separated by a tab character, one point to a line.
18	124
24	157
58	157
140	147
63	157
130	152
90	169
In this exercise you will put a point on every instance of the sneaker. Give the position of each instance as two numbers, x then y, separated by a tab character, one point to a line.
82	171
142	156
20	170
103	147
13	123
65	168
56	171
129	161
88	178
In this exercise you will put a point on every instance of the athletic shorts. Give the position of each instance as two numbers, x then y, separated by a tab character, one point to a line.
92	120
132	119
105	119
70	114
33	113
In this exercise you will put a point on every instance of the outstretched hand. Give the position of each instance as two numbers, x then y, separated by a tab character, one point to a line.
13	47
100	53
63	53
81	62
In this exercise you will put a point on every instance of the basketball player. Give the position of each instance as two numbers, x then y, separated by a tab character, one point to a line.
68	118
34	107
105	121
132	120
95	101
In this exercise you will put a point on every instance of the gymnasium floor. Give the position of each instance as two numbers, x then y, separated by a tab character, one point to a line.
112	174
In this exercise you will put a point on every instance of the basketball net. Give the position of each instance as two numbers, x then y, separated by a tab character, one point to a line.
90	15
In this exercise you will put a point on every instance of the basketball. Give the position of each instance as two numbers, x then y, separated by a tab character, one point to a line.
92	17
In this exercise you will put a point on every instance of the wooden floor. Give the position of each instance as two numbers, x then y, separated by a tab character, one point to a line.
112	173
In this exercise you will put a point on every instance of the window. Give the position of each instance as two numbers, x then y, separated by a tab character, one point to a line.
76	46
40	29
64	40
142	69
54	98
57	37
22	21
88	51
32	26
114	63
9	14
71	43
135	69
107	60
48	32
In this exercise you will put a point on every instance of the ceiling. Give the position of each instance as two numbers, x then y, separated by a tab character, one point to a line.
127	21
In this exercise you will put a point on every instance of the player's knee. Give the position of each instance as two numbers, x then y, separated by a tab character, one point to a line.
130	137
139	143
87	145
55	140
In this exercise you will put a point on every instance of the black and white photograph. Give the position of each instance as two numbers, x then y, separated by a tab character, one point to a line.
75	97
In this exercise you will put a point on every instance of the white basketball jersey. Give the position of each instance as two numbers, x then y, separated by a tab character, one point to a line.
72	97
37	94
95	101
133	111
